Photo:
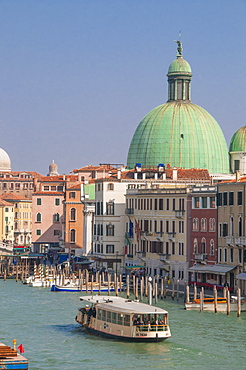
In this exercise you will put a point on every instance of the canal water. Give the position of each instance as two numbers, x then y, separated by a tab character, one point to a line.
43	322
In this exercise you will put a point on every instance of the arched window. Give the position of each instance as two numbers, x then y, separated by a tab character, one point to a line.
231	226
56	217
195	224
72	236
110	230
73	214
38	217
240	230
203	224
211	247
195	244
212	224
203	245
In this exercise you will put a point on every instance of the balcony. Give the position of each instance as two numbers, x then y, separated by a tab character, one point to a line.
171	235
200	256
129	211
141	254
164	257
129	255
179	213
240	241
230	240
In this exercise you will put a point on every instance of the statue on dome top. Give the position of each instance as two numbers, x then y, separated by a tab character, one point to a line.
179	48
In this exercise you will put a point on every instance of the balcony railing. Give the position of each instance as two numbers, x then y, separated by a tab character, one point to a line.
129	211
179	213
171	235
230	240
200	256
240	241
164	256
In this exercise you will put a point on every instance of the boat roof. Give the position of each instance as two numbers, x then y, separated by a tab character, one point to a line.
119	304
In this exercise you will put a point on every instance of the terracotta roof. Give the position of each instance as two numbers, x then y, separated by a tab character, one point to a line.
4	203
182	174
59	178
90	168
13	196
75	186
48	193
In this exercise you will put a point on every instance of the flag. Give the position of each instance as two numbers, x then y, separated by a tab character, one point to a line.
127	240
138	230
21	348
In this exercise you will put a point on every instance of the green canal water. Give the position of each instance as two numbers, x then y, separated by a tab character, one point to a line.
43	322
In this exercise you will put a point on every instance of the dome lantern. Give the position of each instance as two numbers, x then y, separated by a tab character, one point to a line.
179	77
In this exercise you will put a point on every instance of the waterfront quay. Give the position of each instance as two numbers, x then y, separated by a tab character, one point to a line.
44	322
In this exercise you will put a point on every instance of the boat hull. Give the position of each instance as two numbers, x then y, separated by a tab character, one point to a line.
59	288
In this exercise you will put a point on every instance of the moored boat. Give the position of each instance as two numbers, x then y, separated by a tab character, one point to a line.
73	287
208	304
120	318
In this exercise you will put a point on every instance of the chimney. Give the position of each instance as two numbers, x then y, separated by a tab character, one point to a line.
238	176
119	174
175	173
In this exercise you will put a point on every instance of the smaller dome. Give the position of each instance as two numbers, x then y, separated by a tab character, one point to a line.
238	141
5	163
53	169
179	65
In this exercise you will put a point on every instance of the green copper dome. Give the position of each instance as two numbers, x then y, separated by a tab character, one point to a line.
238	141
179	133
179	65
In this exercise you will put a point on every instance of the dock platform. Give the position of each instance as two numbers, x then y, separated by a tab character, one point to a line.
11	359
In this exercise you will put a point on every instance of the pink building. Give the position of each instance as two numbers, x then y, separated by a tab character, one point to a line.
47	217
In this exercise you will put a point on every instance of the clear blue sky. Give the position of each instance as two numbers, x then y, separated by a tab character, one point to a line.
77	76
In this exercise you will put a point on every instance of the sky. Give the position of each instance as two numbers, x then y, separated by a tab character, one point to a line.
77	76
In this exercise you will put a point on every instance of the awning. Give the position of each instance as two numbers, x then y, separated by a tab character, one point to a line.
212	269
241	276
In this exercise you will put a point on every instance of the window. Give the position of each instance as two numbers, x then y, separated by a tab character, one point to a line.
155	204
167	226
225	229
161	204
203	245
231	198
38	232
240	226
204	202
59	188
53	188
212	202
239	198
195	224
57	201
72	195
220	254
231	254
231	226
167	204
38	217
196	202
181	249
173	247
110	208
225	255
110	230
110	186
239	255
236	165
225	199
109	248
211	247
39	202
56	217
174	204
181	227
212	224
46	188
195	245
56	232
72	214
72	236
220	230
219	199
203	224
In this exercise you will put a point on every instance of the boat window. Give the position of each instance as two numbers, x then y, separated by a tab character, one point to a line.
127	320
120	319
108	316
103	315
113	318
99	314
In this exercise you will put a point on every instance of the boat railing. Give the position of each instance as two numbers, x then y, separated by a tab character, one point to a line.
152	328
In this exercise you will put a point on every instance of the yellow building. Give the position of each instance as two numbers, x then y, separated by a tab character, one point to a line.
6	222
